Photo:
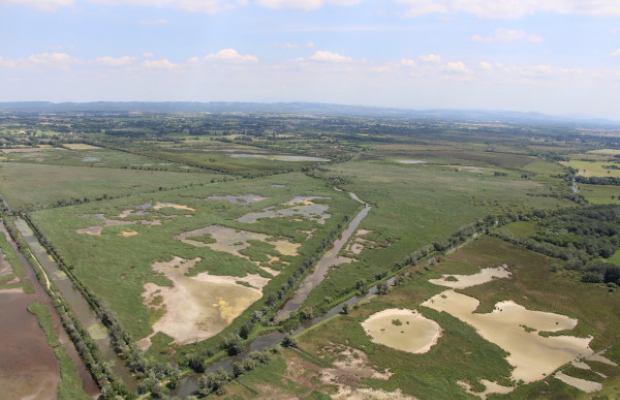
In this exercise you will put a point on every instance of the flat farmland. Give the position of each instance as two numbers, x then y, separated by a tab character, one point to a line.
36	185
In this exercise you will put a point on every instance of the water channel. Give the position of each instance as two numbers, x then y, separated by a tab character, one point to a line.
78	304
189	385
34	356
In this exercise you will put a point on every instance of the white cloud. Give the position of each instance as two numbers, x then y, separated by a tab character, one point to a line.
6	63
513	8
456	67
148	55
154	22
230	56
431	58
485	65
51	58
535	38
506	35
202	6
328	56
382	68
615	53
408	63
541	71
304	4
159	64
47	5
115	61
310	45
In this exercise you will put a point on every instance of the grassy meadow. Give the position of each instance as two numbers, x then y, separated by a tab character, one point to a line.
117	267
37	186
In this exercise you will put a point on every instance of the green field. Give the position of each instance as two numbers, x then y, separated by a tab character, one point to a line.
240	161
600	194
594	168
36	185
101	158
192	230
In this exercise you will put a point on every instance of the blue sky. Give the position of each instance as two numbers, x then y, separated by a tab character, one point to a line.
551	56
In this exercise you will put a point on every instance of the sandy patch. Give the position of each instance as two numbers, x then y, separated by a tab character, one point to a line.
81	146
5	267
411	162
465	281
606	152
91	230
598	357
516	330
490	388
581	384
240	199
270	271
198	307
347	393
128	233
299	206
127	213
404	330
159	206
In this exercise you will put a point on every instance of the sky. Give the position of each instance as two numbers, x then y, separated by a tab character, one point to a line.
559	57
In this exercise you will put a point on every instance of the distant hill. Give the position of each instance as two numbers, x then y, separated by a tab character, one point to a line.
296	108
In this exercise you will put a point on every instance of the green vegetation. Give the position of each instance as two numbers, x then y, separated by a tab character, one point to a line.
123	207
34	186
44	318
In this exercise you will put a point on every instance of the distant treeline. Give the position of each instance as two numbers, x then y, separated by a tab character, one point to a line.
598	180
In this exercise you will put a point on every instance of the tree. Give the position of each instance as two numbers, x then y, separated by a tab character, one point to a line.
289	341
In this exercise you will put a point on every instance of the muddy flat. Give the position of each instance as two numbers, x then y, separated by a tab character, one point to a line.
28	367
465	281
232	240
244	199
516	330
201	306
302	206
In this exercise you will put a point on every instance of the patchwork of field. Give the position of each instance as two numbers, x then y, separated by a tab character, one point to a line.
187	262
36	185
594	164
509	325
83	155
237	160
